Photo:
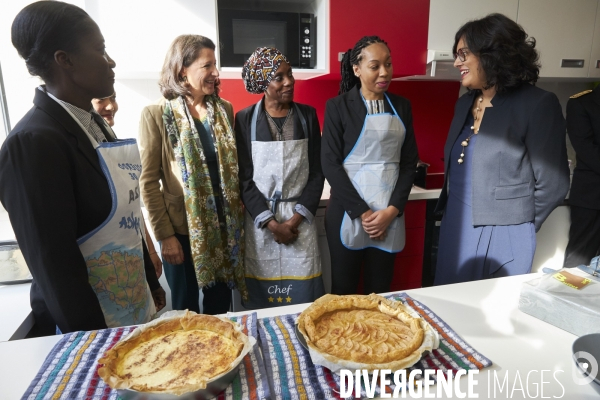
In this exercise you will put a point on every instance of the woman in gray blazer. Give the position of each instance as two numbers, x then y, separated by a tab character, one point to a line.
505	156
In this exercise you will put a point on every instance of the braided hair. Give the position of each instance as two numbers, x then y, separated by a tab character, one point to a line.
353	57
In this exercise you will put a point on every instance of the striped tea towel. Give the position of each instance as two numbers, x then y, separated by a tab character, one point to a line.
293	375
70	371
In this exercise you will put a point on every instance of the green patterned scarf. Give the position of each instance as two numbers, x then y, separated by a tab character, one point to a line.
214	260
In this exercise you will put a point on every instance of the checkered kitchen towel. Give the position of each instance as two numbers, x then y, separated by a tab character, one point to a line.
70	371
293	375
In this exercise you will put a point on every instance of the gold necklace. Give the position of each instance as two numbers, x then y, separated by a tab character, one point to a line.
465	142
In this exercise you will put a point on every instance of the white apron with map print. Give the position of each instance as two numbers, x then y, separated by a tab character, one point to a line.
113	251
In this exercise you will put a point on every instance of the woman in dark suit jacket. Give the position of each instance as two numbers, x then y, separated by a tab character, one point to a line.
279	153
369	157
505	156
51	181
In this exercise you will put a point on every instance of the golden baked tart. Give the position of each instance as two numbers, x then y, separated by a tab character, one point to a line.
369	332
176	356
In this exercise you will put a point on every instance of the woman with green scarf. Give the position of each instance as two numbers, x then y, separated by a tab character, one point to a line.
189	180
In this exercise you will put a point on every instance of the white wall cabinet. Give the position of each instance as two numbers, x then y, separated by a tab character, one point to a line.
594	64
564	30
567	31
446	17
319	8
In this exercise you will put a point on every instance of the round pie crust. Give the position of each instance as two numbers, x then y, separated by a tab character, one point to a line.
365	332
175	356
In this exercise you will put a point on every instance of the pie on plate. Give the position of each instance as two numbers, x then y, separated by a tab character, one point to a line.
365	332
175	355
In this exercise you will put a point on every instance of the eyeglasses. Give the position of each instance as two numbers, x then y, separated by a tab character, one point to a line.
462	54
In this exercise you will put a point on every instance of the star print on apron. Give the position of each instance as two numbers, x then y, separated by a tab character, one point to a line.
113	251
278	274
373	166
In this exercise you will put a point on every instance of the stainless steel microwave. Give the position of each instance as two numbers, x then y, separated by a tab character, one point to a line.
241	32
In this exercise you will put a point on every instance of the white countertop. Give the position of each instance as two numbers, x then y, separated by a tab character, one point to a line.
483	313
416	193
15	309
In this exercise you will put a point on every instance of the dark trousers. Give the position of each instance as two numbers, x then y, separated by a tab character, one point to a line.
584	237
184	286
346	264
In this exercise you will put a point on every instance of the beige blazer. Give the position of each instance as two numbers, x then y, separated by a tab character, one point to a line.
160	182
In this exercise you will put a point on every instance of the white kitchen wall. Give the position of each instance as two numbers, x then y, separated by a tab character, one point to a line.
18	83
133	95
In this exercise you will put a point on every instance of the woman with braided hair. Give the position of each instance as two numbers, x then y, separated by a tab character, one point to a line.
369	157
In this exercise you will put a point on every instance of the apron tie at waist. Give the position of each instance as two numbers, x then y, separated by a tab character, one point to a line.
277	198
284	168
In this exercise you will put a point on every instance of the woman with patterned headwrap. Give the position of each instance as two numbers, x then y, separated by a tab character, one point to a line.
279	146
189	179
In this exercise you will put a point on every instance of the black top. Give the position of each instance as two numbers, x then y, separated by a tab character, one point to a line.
344	119
279	121
210	153
583	127
54	190
253	199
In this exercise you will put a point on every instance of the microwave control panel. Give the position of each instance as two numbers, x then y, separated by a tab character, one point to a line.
308	49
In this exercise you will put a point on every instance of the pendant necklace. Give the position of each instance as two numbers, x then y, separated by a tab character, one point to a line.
279	130
465	142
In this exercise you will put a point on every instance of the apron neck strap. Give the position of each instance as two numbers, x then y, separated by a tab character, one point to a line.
253	123
255	117
302	120
387	98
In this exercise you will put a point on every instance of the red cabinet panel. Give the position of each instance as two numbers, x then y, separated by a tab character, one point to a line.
414	214
407	273
415	242
403	24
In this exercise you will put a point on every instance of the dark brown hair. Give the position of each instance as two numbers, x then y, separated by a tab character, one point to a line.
507	55
184	50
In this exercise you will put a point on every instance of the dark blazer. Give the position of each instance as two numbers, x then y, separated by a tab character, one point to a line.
583	126
520	170
344	119
54	190
253	199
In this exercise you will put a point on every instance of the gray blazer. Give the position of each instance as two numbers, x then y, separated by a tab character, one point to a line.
520	169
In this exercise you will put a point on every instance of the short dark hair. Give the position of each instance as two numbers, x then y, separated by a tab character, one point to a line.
44	27
184	50
353	57
507	55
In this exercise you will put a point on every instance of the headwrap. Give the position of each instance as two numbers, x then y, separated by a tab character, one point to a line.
259	69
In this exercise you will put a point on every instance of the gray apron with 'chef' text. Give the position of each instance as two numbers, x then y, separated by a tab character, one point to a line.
278	274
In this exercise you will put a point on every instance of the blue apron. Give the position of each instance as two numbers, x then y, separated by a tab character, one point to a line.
373	166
